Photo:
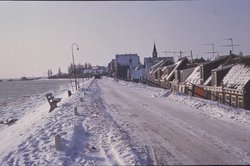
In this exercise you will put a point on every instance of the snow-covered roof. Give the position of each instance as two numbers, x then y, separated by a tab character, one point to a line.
178	63
156	66
164	68
207	82
138	68
221	67
159	68
151	60
237	77
194	77
87	71
172	72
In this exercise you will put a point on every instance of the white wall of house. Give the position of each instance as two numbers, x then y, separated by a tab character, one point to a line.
138	74
127	59
130	60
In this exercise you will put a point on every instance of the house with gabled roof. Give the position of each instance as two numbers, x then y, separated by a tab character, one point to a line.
229	84
217	75
170	72
156	70
150	62
180	64
194	77
208	72
236	86
207	67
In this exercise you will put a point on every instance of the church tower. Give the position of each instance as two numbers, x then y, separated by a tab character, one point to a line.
154	52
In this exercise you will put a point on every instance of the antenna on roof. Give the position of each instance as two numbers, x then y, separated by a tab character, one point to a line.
174	52
165	52
231	45
191	54
211	52
181	52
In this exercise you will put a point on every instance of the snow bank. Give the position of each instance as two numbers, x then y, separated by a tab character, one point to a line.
88	135
143	88
212	108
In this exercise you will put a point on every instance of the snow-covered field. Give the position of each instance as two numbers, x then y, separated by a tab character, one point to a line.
106	131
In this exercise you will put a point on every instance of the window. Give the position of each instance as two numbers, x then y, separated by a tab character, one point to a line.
227	99
213	96
233	100
240	101
220	98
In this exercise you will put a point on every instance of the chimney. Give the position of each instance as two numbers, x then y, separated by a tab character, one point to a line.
230	52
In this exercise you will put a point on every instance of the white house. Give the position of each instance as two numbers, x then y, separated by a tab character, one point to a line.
138	73
125	64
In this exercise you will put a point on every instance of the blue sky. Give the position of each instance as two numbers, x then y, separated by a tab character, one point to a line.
37	36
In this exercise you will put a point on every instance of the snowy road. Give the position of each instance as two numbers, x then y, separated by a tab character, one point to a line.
171	133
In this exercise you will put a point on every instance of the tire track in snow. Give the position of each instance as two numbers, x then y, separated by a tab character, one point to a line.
154	149
144	136
112	138
188	144
209	138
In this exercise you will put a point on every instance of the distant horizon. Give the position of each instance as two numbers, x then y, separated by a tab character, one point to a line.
54	73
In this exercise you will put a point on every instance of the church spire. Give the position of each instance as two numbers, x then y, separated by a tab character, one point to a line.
154	52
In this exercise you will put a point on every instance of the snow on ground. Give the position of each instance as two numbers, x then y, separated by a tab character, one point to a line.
17	107
88	138
171	133
143	88
213	108
92	136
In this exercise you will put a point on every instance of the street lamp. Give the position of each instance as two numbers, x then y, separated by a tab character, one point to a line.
74	68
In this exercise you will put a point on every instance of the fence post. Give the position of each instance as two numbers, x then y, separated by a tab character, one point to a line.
58	142
75	111
69	93
193	87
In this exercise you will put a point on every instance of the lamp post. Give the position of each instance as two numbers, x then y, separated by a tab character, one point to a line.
74	68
